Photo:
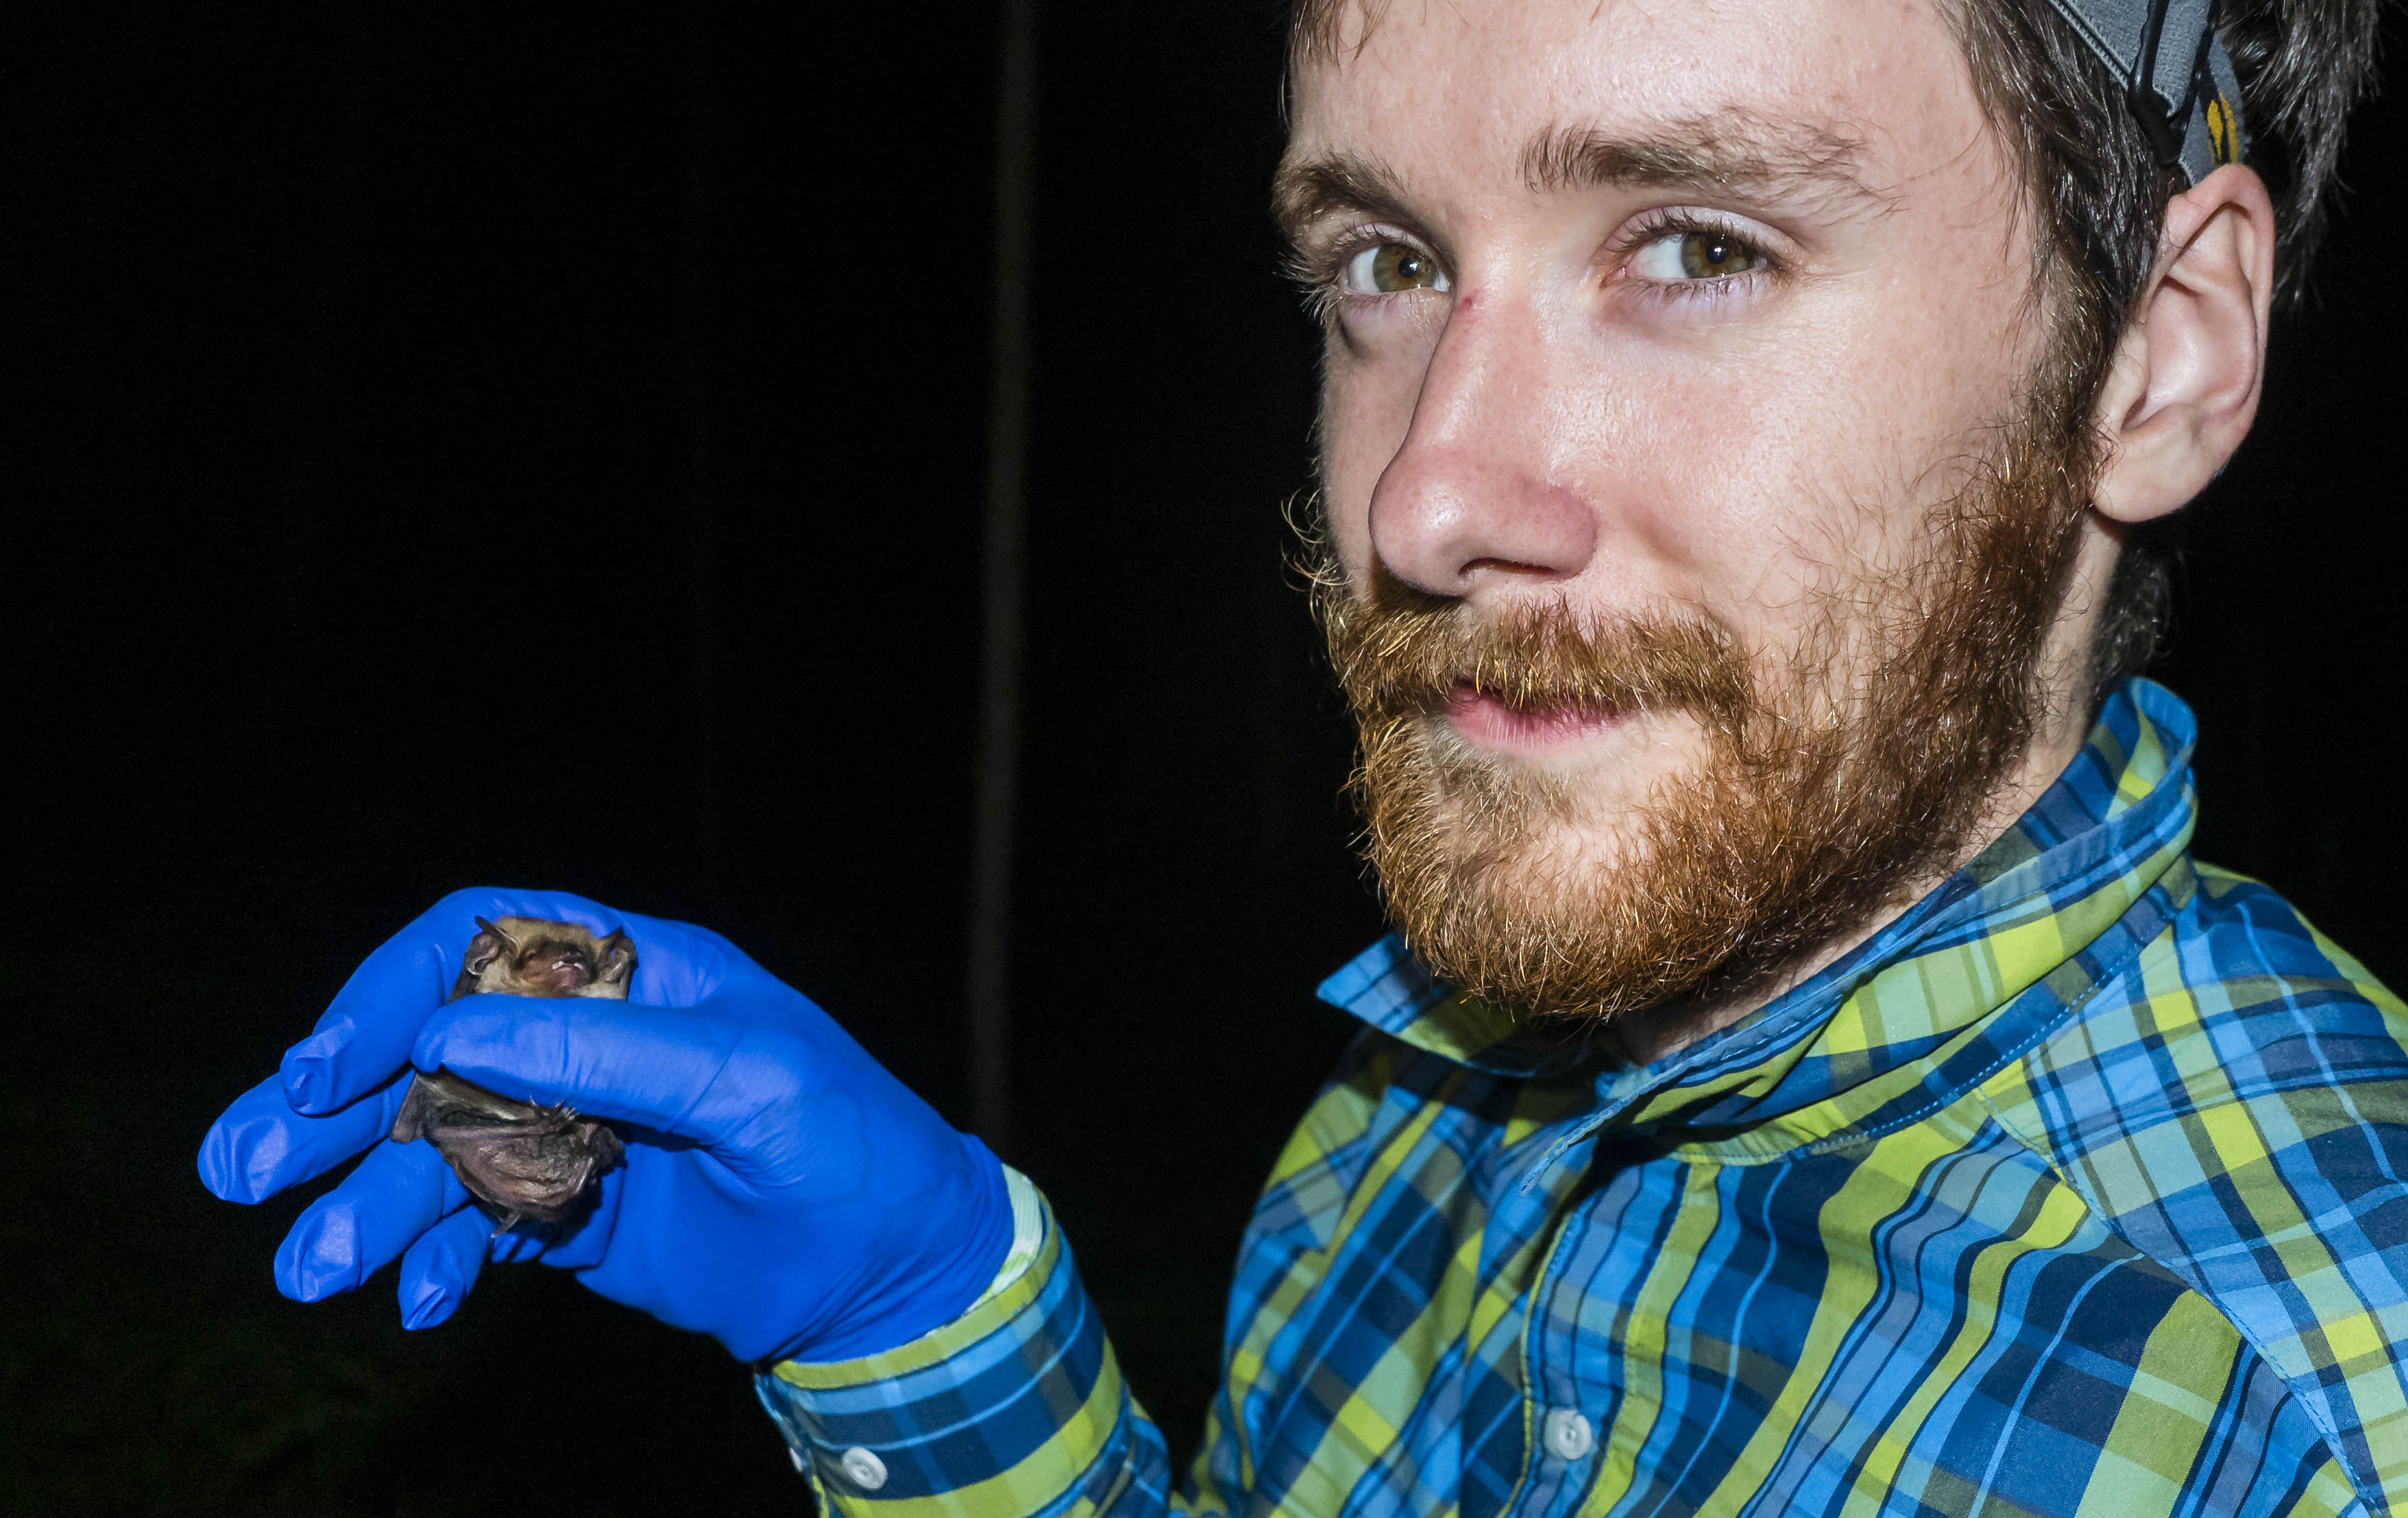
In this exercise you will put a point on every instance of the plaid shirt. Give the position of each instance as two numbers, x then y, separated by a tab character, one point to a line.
2078	1189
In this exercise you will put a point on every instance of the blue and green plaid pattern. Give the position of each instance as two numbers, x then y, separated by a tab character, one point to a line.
2078	1190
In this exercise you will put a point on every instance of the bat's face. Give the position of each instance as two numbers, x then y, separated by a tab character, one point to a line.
532	957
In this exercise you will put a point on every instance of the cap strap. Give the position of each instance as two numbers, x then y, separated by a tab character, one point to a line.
2177	76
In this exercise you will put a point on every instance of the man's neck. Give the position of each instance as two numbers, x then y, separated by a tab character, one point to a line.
1656	1033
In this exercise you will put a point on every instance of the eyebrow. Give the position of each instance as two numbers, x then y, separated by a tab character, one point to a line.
1726	150
1303	192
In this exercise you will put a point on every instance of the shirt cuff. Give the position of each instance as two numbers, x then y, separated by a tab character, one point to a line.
1016	1406
1027	1233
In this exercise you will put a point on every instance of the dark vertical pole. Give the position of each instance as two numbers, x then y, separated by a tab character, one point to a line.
702	507
989	977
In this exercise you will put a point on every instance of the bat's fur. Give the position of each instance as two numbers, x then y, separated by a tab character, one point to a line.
522	1160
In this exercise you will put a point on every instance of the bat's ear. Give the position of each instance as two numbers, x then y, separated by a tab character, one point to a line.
486	930
618	958
488	945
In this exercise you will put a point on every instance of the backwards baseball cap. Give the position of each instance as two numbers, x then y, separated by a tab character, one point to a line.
2175	72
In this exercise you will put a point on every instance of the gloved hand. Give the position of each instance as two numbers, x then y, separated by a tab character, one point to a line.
782	1192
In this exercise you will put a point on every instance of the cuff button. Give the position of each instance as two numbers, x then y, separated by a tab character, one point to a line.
862	1468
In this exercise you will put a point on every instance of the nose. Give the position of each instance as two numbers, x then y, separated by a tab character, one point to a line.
1470	497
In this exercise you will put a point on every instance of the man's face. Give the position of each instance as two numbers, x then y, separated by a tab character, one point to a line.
1681	358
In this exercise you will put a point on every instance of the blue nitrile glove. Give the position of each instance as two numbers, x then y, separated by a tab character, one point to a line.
782	1192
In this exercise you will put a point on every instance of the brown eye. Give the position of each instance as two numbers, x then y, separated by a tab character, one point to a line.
1706	255
1392	269
1696	255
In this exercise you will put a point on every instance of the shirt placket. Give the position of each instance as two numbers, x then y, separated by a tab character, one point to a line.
1569	1399
1587	1407
1563	1409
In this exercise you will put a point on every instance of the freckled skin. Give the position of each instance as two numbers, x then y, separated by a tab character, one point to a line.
1546	429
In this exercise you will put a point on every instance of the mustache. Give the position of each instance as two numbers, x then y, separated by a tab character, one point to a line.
1403	653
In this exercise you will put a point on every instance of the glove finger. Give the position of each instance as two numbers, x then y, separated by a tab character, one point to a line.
398	1192
679	964
363	1038
259	1145
604	1059
440	1266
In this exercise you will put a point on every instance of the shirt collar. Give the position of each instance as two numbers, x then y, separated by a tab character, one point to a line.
1878	1025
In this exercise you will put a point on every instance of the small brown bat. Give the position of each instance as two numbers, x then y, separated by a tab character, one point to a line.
521	1160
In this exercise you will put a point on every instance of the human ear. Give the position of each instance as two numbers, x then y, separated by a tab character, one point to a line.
2182	389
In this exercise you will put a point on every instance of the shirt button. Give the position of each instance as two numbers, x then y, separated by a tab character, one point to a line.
1566	1434
869	1472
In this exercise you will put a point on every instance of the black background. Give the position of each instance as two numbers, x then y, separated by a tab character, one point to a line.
449	445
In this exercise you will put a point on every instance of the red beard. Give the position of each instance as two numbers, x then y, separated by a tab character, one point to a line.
1807	815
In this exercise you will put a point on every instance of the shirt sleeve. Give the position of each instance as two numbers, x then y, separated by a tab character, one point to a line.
1016	1406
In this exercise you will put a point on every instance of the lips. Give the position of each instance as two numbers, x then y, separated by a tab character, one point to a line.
1480	719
